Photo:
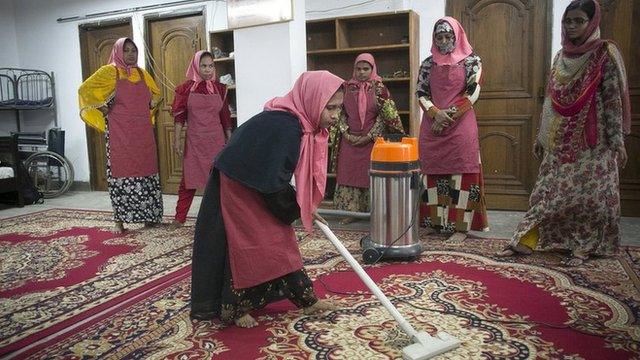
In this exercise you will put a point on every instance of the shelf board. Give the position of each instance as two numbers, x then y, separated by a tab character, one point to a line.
224	59
404	112
231	87
359	49
233	116
396	79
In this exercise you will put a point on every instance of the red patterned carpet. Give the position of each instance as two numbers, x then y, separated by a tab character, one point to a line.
496	308
60	267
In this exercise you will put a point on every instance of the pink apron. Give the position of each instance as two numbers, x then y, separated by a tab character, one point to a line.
353	161
456	149
260	247
132	142
205	138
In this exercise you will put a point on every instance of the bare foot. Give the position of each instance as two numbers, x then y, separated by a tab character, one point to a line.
246	321
118	228
514	250
347	220
319	306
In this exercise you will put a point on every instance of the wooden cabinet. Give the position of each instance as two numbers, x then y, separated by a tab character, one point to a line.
225	65
392	39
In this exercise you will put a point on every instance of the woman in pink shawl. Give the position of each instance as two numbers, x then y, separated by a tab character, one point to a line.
200	103
368	112
245	253
575	203
448	86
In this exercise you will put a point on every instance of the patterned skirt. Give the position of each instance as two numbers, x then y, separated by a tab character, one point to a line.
453	203
350	198
134	199
296	287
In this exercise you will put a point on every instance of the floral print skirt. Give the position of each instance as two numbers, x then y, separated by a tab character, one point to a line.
296	287
350	198
575	206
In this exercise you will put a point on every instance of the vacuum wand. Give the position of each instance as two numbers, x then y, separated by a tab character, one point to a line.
424	346
332	212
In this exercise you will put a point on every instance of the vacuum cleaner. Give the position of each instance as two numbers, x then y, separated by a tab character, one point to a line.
424	345
395	194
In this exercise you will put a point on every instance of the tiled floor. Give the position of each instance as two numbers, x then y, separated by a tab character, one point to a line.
502	222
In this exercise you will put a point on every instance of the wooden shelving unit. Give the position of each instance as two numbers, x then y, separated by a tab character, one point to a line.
392	39
223	40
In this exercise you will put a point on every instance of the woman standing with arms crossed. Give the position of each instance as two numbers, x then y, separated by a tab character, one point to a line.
118	99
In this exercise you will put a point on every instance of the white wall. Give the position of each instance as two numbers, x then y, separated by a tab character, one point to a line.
556	32
268	60
8	42
8	57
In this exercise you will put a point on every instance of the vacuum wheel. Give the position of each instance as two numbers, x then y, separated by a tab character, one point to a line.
370	256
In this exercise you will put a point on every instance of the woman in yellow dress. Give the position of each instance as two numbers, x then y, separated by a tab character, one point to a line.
118	100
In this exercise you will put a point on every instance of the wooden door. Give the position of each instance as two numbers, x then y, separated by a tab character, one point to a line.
172	43
617	24
513	39
95	44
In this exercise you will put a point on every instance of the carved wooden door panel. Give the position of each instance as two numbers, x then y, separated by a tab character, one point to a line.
513	39
617	24
172	43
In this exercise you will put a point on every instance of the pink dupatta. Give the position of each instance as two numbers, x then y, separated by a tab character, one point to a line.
193	73
117	55
310	94
585	94
364	86
462	47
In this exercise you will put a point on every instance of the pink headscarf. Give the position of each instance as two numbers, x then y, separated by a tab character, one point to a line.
364	86
590	39
307	99
117	55
193	73
462	47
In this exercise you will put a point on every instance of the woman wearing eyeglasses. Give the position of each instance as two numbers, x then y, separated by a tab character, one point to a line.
575	203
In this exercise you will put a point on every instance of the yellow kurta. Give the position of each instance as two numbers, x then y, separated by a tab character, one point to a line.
99	89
